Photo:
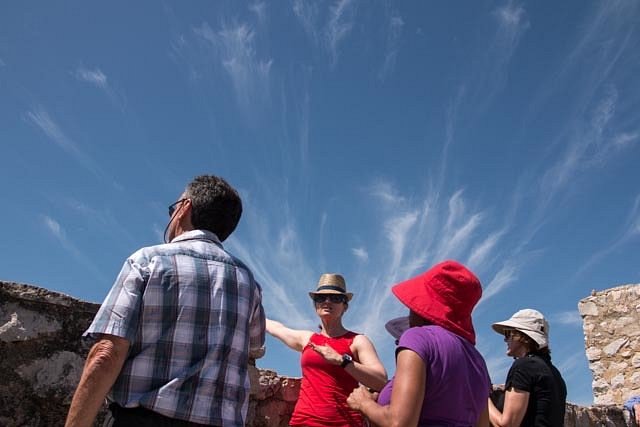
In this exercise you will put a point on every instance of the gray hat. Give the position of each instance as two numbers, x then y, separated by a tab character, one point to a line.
528	321
397	326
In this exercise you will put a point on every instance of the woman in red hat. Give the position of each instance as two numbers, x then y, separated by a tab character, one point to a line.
441	379
333	361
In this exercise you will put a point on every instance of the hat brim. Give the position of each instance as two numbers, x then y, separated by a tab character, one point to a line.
349	295
396	327
541	339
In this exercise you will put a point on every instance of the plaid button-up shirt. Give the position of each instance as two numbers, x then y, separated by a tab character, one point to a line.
192	314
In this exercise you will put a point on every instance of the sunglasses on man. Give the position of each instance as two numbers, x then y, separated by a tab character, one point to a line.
334	298
174	206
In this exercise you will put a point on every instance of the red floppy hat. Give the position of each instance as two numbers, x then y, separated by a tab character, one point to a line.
445	295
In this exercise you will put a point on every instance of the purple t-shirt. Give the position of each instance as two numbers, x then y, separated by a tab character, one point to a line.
458	383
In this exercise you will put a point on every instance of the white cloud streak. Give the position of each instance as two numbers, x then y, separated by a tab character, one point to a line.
234	47
360	253
43	121
95	77
394	34
98	79
339	26
566	318
259	8
307	14
502	279
630	230
56	230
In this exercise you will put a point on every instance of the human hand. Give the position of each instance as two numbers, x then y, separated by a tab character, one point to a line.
360	395
328	353
636	411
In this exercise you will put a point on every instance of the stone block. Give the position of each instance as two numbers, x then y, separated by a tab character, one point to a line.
613	347
588	308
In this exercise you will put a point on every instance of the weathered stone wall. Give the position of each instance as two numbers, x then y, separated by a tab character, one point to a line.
42	355
611	321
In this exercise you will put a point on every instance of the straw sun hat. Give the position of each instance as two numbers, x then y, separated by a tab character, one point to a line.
331	283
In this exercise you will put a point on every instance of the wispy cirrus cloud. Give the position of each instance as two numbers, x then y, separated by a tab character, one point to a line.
307	14
566	318
101	219
327	34
629	230
259	8
360	253
234	47
591	142
505	276
55	229
394	34
341	20
97	78
491	70
40	118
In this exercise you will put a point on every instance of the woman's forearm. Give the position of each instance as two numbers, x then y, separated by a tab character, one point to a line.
370	377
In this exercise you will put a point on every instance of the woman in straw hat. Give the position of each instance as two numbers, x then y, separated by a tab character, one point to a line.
441	379
535	393
333	361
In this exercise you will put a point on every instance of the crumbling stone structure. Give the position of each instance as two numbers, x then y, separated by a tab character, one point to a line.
42	355
611	321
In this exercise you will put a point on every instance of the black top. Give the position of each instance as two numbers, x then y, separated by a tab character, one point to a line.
547	390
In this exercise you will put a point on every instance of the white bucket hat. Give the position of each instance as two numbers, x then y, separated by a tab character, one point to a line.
528	321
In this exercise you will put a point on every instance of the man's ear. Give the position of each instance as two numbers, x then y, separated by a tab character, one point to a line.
184	215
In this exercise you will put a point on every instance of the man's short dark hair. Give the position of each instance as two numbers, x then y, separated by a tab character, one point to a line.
216	205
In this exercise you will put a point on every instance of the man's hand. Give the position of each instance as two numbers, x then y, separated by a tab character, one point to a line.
101	369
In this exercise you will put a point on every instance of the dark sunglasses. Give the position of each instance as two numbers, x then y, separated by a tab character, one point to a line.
173	206
334	298
508	333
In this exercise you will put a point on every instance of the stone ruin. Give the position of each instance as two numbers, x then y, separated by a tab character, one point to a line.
611	321
42	355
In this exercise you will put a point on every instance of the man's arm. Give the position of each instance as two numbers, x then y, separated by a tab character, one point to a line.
101	369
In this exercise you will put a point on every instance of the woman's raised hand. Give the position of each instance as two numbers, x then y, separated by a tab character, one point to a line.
328	353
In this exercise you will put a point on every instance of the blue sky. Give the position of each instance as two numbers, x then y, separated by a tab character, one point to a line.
372	139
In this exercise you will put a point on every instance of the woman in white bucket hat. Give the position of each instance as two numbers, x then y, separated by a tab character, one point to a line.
535	393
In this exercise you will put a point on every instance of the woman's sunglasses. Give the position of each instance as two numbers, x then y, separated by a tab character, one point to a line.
334	298
509	333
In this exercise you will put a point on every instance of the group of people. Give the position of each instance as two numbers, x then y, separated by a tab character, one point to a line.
441	379
175	335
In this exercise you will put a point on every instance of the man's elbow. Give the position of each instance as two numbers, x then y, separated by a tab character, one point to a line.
107	354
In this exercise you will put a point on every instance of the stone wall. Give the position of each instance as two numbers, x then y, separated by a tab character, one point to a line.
42	355
611	321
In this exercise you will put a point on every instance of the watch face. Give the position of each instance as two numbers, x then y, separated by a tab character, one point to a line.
346	359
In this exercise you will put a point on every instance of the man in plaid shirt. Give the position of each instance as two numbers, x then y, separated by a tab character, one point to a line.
176	331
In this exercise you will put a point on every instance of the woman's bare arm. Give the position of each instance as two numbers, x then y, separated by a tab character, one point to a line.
293	338
515	406
406	398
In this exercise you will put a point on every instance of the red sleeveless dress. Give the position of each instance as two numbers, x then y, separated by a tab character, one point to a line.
325	387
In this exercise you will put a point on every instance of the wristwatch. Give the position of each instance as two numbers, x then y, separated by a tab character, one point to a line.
346	359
